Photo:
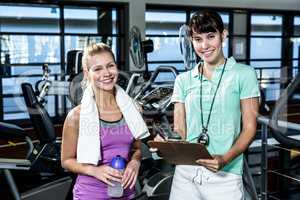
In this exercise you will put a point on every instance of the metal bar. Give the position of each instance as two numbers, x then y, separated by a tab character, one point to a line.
264	163
60	111
282	124
12	185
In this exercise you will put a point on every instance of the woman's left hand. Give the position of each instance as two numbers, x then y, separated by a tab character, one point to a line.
214	164
130	174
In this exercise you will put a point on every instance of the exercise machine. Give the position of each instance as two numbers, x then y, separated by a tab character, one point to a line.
54	187
286	135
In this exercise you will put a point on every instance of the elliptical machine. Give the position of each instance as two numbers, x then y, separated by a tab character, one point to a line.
289	144
153	96
155	99
46	86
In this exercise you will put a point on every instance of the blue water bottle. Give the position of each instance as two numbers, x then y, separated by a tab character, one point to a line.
119	163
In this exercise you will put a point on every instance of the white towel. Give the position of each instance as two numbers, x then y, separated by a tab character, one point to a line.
88	145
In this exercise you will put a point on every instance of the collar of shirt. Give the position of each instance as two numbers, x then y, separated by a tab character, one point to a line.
230	63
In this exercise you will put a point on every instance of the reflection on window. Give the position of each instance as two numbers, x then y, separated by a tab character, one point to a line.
79	42
272	91
225	48
274	73
31	36
165	76
30	48
34	70
165	48
114	22
80	20
164	22
165	25
267	48
29	19
162	26
296	44
266	25
270	25
178	66
296	64
265	64
14	108
297	25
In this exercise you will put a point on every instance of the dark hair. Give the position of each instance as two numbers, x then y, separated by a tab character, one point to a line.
205	21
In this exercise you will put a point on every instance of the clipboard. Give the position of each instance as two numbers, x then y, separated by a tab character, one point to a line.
180	152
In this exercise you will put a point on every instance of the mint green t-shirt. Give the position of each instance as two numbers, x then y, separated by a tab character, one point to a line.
239	82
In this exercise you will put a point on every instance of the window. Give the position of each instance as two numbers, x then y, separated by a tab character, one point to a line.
29	19
31	36
265	51
162	26
296	45
90	29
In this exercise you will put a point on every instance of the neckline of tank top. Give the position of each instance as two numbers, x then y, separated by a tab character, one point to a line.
112	122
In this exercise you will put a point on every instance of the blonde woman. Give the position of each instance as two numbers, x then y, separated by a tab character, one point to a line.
112	130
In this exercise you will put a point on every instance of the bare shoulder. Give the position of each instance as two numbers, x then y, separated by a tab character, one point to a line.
73	116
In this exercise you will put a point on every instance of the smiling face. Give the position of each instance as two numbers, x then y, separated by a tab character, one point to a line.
206	30
208	46
103	71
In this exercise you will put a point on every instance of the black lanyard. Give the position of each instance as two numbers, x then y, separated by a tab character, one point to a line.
204	128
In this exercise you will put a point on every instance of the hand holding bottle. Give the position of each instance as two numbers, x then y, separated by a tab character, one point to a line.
107	174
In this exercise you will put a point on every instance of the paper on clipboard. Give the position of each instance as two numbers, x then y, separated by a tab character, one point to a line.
180	152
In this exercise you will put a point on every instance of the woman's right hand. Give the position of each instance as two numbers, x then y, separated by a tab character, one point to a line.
107	174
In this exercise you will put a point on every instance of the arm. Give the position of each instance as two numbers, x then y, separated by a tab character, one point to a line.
179	120
132	169
249	108
68	153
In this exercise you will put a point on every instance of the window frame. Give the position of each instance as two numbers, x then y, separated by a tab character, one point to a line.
60	105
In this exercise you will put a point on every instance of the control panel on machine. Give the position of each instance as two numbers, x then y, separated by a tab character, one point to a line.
157	98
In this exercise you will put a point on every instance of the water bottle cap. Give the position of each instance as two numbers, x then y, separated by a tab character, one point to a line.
118	162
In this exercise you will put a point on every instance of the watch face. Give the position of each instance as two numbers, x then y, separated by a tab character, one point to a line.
203	139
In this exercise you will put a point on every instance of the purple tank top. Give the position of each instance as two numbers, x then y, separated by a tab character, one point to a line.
116	139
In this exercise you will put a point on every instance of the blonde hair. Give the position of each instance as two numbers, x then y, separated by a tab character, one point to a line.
89	51
93	49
